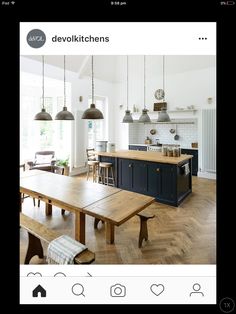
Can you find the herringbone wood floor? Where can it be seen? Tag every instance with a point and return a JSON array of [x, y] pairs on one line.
[[183, 235]]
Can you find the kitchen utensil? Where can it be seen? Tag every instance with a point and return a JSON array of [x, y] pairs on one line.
[[194, 145], [172, 131], [176, 137], [153, 131], [148, 141]]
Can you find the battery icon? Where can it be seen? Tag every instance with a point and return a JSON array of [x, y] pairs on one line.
[[230, 2]]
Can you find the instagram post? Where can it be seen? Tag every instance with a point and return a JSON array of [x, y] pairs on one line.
[[117, 173]]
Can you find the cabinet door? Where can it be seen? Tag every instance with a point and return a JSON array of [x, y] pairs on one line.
[[168, 182], [125, 174], [139, 177], [161, 181], [153, 179]]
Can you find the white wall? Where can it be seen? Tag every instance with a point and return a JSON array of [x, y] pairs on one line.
[[187, 133]]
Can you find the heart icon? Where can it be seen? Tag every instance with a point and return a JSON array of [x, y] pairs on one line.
[[157, 289], [34, 275]]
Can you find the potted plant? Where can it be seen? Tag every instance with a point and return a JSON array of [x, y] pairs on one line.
[[65, 164]]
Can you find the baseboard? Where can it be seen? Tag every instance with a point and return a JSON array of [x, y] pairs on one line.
[[206, 175]]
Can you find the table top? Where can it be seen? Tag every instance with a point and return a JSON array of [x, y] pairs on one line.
[[30, 173], [119, 207], [105, 202], [67, 190]]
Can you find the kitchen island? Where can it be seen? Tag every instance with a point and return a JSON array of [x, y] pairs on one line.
[[168, 179]]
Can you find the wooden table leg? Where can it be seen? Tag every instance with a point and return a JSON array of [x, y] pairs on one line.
[[110, 233], [80, 227], [48, 209]]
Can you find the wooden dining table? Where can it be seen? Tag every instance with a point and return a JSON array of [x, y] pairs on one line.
[[112, 205]]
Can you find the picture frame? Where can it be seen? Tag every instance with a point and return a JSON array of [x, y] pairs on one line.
[[159, 105]]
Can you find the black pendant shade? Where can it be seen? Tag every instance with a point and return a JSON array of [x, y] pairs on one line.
[[144, 116], [92, 113], [128, 117], [64, 114], [43, 115]]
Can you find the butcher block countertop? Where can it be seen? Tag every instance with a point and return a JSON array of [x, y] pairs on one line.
[[147, 156]]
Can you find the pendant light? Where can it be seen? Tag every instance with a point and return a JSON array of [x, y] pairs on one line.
[[92, 113], [128, 117], [144, 117], [43, 115], [163, 115], [64, 114]]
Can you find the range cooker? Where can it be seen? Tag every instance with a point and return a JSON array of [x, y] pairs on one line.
[[154, 148]]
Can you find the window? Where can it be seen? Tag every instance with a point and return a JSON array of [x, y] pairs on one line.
[[97, 129], [43, 135]]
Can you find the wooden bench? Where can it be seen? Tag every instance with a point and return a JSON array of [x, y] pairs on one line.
[[143, 233], [37, 232]]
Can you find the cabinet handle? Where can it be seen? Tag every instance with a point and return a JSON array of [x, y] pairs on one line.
[[130, 165], [157, 169]]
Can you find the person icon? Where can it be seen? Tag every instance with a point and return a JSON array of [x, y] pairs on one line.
[[196, 288]]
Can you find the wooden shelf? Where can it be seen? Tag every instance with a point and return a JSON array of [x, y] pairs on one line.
[[169, 122], [184, 110]]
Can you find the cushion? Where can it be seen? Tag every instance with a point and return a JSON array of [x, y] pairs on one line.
[[92, 157], [43, 159]]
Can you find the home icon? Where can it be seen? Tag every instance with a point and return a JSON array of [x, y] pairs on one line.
[[37, 290]]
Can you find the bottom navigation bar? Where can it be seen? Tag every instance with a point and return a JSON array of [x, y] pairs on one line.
[[61, 289]]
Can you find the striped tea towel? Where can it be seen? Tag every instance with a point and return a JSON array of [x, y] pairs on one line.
[[186, 169], [63, 250]]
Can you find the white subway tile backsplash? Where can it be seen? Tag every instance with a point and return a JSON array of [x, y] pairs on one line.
[[188, 133]]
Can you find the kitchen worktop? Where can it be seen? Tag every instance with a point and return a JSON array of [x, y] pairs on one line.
[[147, 156]]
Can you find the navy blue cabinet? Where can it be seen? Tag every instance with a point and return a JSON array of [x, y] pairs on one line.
[[137, 147], [168, 183], [193, 152], [139, 176], [161, 182], [125, 174], [154, 179], [132, 175]]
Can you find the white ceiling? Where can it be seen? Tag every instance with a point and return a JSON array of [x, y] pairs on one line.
[[112, 68]]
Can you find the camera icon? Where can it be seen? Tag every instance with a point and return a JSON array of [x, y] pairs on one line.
[[118, 290]]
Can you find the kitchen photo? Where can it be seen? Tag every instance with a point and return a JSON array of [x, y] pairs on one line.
[[117, 159]]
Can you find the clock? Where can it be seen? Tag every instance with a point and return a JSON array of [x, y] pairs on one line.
[[159, 94]]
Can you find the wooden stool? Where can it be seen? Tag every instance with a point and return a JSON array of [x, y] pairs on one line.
[[103, 175], [143, 233], [93, 164]]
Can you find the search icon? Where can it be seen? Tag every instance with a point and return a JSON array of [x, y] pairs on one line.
[[78, 289]]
